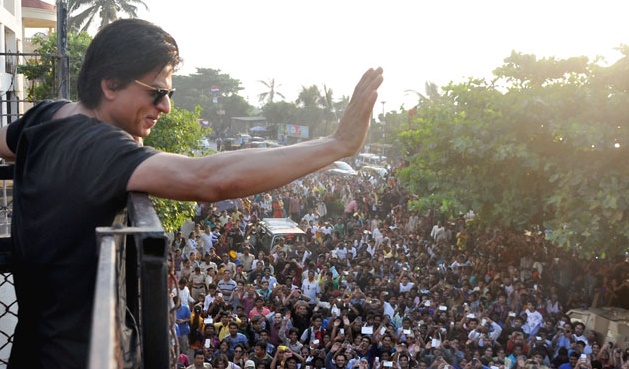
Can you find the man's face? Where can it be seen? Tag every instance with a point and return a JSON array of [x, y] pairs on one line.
[[233, 330], [302, 310], [258, 351], [198, 360], [578, 329], [386, 341], [340, 361]]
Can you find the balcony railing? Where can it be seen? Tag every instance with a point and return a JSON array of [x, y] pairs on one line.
[[131, 325]]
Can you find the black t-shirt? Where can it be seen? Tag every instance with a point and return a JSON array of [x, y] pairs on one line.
[[70, 177]]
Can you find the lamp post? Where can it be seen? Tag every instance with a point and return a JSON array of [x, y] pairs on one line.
[[62, 47], [384, 135]]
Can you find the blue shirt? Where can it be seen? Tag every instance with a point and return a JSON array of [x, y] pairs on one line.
[[233, 341], [184, 313]]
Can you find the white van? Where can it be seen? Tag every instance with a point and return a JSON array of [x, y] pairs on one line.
[[370, 159], [270, 230]]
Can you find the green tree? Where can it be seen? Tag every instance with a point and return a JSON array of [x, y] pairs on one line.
[[83, 12], [218, 107], [42, 72], [268, 96], [330, 117], [542, 146], [280, 112], [311, 105], [178, 132]]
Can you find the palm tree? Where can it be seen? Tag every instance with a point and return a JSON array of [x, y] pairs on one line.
[[329, 108], [311, 102], [309, 97], [272, 91], [83, 12], [432, 93]]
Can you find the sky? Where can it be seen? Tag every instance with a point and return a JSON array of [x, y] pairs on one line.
[[325, 42]]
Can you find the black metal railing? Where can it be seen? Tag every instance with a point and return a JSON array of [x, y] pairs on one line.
[[131, 312], [8, 304], [130, 325]]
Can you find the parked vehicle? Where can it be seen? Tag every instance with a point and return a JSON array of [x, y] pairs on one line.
[[340, 168], [270, 230], [261, 144], [370, 170], [371, 159]]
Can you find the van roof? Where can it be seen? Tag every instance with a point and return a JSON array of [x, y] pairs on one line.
[[282, 226], [280, 222], [370, 155]]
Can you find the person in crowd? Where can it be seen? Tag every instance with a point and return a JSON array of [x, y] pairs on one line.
[[199, 361], [182, 318], [260, 356]]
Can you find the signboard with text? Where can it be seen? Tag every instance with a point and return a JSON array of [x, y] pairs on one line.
[[293, 130]]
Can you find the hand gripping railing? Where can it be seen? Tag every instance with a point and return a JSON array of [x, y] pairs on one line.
[[130, 326]]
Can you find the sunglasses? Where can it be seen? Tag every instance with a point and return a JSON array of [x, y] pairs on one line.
[[158, 93]]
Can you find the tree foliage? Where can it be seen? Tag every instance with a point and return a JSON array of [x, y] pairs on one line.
[[84, 12], [196, 89], [280, 112], [178, 132], [272, 89], [542, 146], [42, 72]]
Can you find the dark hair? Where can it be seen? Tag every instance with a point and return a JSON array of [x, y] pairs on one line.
[[261, 344], [578, 323], [122, 51], [220, 357]]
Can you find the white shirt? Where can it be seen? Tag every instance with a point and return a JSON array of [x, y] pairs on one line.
[[437, 232], [184, 294], [310, 289], [406, 287], [206, 243], [191, 247]]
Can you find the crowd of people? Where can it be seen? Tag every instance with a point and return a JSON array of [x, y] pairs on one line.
[[378, 285]]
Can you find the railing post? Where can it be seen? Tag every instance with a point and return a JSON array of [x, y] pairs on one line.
[[153, 249], [140, 294]]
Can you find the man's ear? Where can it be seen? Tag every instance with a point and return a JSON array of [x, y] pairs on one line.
[[109, 88]]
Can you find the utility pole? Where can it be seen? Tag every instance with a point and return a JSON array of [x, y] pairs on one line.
[[62, 49], [384, 125]]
